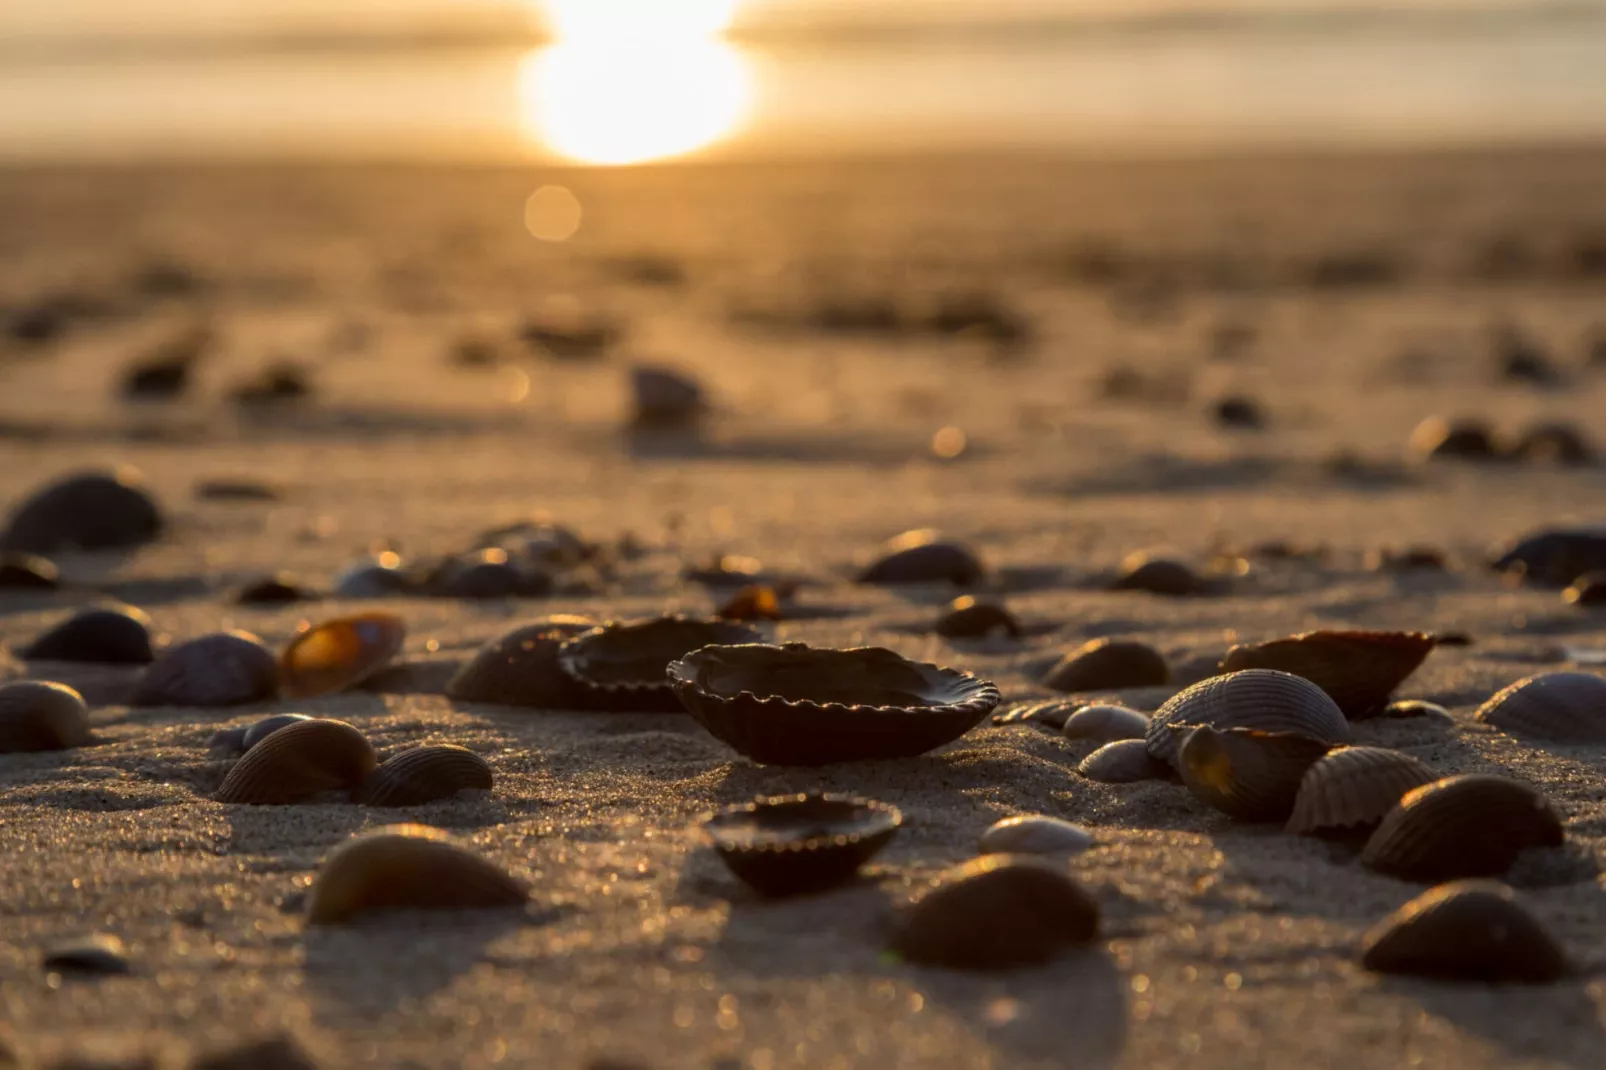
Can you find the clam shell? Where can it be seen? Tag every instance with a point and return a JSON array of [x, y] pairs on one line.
[[118, 636], [521, 668], [1360, 670], [264, 728], [1561, 707], [996, 912], [798, 705], [37, 716], [424, 774], [101, 953], [923, 557], [1355, 786], [407, 867], [85, 511], [339, 654], [1034, 834], [1462, 826], [1468, 930], [621, 666], [1159, 575], [1126, 761], [1106, 724], [297, 762], [1108, 665], [792, 844], [966, 618], [1265, 699], [1245, 773], [1555, 558], [20, 572], [226, 669]]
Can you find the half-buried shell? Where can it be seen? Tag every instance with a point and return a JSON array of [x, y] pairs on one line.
[[1159, 575], [407, 867], [968, 618], [297, 762], [799, 705], [1353, 787], [1245, 773], [1561, 707], [521, 668], [1106, 724], [793, 844], [1034, 834], [38, 716], [1108, 665], [621, 666], [1126, 761], [424, 774], [243, 738], [85, 511], [1359, 669], [1466, 931], [1472, 825], [226, 669], [922, 556], [338, 654], [1554, 558], [108, 636], [1264, 699]]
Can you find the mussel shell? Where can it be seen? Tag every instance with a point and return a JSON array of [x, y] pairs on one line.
[[22, 572], [1247, 774], [621, 666], [407, 867], [1561, 707], [424, 774], [1125, 761], [107, 636], [1472, 825], [226, 669], [1108, 665], [966, 618], [1359, 669], [86, 511], [38, 716], [1034, 834], [923, 557], [1469, 930], [334, 655], [1159, 575], [1265, 699], [798, 705], [1106, 724], [1555, 558], [521, 668], [996, 912], [297, 762], [1353, 787], [791, 844]]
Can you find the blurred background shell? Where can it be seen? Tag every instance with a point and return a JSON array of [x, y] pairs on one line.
[[337, 654], [407, 867], [39, 716], [225, 669], [297, 762], [1560, 707]]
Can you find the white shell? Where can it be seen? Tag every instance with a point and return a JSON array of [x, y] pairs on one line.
[[1125, 761], [1035, 834], [1562, 707], [1106, 724]]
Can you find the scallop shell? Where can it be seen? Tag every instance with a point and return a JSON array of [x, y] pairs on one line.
[[1555, 558], [1462, 826], [521, 668], [1106, 724], [21, 572], [1560, 707], [339, 654], [1126, 761], [1354, 787], [1265, 699], [792, 844], [966, 618], [424, 774], [1245, 773], [1159, 575], [297, 762], [107, 636], [798, 705], [1467, 930], [621, 666], [1360, 670], [922, 556], [1108, 665], [407, 867], [1587, 590], [38, 716], [226, 669], [1035, 834], [996, 912], [86, 511]]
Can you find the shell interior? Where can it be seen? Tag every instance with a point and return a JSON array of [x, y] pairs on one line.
[[800, 822], [341, 653], [862, 677]]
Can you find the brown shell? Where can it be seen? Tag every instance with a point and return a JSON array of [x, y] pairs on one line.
[[91, 510], [1159, 575], [1247, 774], [793, 844], [1472, 825], [424, 774], [407, 867], [1353, 787], [1359, 669], [921, 556], [38, 716], [1108, 665], [996, 912], [967, 618], [1265, 699], [226, 669], [334, 655], [1106, 724], [1561, 707], [1125, 761], [521, 668], [1553, 444], [297, 762], [108, 635], [621, 666], [1467, 930]]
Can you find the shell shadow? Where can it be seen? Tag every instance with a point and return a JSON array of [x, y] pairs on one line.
[[1559, 1024]]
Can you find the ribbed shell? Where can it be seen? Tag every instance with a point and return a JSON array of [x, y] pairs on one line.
[[1247, 774], [338, 654], [1107, 665], [521, 668], [1462, 826], [423, 775], [1355, 786], [1034, 834], [118, 636], [1050, 713], [40, 716], [792, 844], [299, 761], [227, 669], [1561, 707], [1467, 930], [1125, 761], [622, 666], [1360, 670], [1106, 724], [407, 867], [1266, 699]]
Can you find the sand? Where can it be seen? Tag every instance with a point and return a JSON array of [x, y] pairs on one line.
[[1369, 287]]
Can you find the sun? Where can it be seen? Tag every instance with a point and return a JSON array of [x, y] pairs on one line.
[[612, 19]]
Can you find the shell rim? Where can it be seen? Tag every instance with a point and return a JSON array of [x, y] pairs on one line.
[[571, 658], [889, 821]]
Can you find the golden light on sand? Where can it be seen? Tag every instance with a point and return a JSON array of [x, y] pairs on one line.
[[552, 213]]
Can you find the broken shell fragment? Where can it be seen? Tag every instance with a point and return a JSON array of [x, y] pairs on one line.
[[792, 844], [1472, 825], [407, 867], [339, 654], [297, 762], [226, 669], [1560, 707], [38, 716], [621, 666], [521, 668], [1247, 774], [1469, 930], [1108, 665], [1263, 699], [1359, 669], [424, 774], [1353, 787]]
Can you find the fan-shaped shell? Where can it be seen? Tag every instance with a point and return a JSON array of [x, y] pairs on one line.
[[1108, 665], [1353, 787], [1467, 930], [341, 653], [1106, 724], [1125, 761], [1159, 575], [226, 669], [407, 867], [967, 618], [297, 762], [424, 774], [792, 844], [106, 636], [1561, 707], [1472, 825], [621, 666], [1360, 670], [922, 556], [1034, 834], [85, 511], [798, 705], [521, 668], [1555, 558], [1264, 699], [37, 716], [1245, 773]]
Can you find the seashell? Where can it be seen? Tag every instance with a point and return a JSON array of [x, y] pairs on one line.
[[1158, 575], [119, 636], [1413, 707], [298, 761], [489, 574], [1472, 825], [86, 511], [798, 705], [241, 739], [662, 398], [1125, 761], [726, 570], [1519, 358], [424, 774], [277, 1052], [1554, 558], [996, 912], [921, 556], [621, 666], [1106, 724], [521, 668], [753, 602], [1050, 713], [1245, 773], [792, 844], [1587, 590], [1467, 930], [101, 953], [1359, 670], [225, 669], [1453, 638], [1353, 787], [1263, 699], [277, 383], [1561, 707], [966, 618], [566, 336], [1035, 834], [36, 716], [382, 577], [1239, 412], [27, 572], [338, 654], [277, 589], [1108, 665], [407, 867], [1466, 439], [1553, 444]]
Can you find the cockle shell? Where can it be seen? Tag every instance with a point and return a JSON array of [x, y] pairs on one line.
[[379, 578], [521, 668], [1469, 930], [1353, 787], [85, 511], [297, 762], [1035, 834], [792, 844], [1106, 724], [1125, 761], [1555, 558], [1108, 665], [106, 636], [407, 867], [1263, 699], [424, 774], [278, 589], [39, 716], [1472, 825], [921, 556], [226, 669], [621, 666], [1159, 575], [338, 654], [1561, 707], [239, 740], [1245, 773], [1359, 669], [967, 618]]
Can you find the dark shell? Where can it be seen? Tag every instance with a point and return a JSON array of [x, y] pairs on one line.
[[101, 953], [1410, 559], [1125, 761], [424, 774], [1437, 438], [297, 762], [407, 867], [102, 636], [1108, 665], [1360, 670], [521, 668], [226, 669], [490, 574], [1587, 590], [1263, 699], [1106, 724], [922, 557], [793, 844], [1412, 707], [1353, 787], [966, 618], [381, 578], [277, 589], [1466, 931], [334, 655], [798, 705], [1473, 825], [1555, 558], [1247, 774], [621, 666], [997, 912], [38, 716], [1239, 412], [665, 398], [1561, 707], [243, 738], [27, 572], [244, 489], [1553, 444], [281, 1052], [1159, 575], [87, 511], [282, 381]]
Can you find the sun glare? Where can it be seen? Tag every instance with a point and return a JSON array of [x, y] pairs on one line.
[[612, 19]]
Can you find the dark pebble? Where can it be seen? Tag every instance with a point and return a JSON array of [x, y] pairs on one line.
[[1239, 412]]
